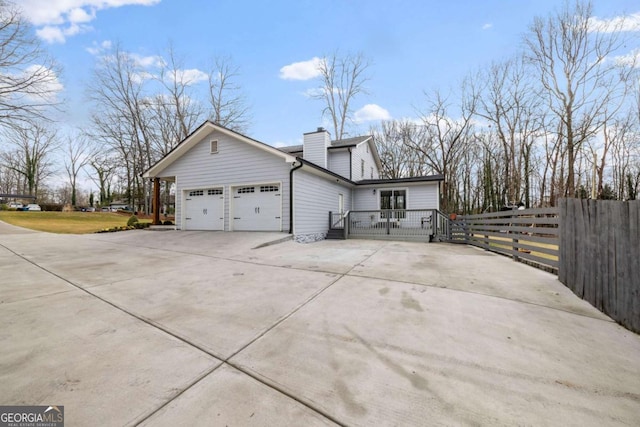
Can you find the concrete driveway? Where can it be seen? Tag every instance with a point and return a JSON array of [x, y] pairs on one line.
[[195, 328]]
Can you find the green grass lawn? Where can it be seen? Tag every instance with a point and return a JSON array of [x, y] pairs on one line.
[[65, 222]]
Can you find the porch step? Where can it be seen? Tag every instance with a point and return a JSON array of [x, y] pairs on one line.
[[335, 234]]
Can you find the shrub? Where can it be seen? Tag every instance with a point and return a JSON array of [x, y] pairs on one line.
[[168, 222], [4, 207], [132, 220]]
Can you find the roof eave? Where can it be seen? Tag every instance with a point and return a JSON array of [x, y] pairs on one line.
[[194, 137]]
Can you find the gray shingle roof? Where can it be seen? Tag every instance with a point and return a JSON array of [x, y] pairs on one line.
[[291, 149], [336, 143], [349, 141]]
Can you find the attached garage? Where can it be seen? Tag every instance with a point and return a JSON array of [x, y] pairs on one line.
[[257, 207], [204, 209]]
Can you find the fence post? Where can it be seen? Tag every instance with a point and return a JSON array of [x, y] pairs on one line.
[[514, 240], [330, 217], [388, 221], [345, 222]]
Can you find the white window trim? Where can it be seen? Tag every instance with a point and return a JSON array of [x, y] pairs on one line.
[[213, 142]]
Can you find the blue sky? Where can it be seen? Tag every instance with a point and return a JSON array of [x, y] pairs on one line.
[[413, 46]]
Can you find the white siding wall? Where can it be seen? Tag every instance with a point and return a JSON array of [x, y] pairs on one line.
[[235, 163], [419, 196], [314, 147], [423, 196], [360, 153], [365, 200], [314, 198], [339, 162]]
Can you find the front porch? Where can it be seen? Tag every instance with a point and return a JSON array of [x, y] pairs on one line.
[[424, 225]]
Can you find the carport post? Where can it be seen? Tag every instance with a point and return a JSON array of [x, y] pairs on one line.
[[156, 201]]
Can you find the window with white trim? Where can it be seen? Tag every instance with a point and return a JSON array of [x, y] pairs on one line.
[[214, 191], [393, 203], [362, 168], [213, 146], [244, 190]]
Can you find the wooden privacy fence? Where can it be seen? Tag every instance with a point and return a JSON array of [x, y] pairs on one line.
[[529, 235], [600, 256]]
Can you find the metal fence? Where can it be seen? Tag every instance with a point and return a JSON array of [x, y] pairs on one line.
[[393, 224]]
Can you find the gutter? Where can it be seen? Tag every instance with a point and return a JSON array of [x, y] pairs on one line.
[[293, 169]]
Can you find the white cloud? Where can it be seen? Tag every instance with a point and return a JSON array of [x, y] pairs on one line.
[[487, 26], [48, 84], [191, 76], [632, 59], [51, 34], [142, 76], [371, 112], [618, 23], [98, 49], [79, 15], [313, 92], [147, 61], [304, 70], [55, 20]]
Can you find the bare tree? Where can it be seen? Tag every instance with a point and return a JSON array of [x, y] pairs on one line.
[[511, 105], [448, 132], [28, 76], [583, 87], [105, 168], [175, 112], [399, 160], [229, 107], [78, 155], [342, 79], [121, 121], [31, 155]]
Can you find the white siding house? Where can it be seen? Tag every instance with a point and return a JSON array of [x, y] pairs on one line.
[[226, 181], [316, 196], [340, 162]]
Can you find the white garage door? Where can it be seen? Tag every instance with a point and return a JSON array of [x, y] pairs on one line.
[[257, 208], [204, 209]]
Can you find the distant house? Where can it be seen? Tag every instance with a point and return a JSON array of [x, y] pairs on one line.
[[118, 205], [230, 182]]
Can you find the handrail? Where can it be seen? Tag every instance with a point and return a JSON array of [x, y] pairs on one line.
[[340, 219]]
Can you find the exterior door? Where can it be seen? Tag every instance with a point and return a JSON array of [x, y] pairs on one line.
[[257, 208], [395, 200], [204, 209]]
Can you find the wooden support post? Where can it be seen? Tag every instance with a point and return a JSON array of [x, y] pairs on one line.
[[514, 238], [156, 201]]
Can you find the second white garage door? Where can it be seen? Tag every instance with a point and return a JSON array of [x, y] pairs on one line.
[[204, 209], [257, 208]]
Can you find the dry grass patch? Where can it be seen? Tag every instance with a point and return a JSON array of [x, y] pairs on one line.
[[65, 222], [524, 240]]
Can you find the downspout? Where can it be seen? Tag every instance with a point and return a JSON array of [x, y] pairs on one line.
[[293, 169], [350, 164]]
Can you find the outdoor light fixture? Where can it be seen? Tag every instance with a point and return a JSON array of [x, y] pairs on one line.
[[374, 191]]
